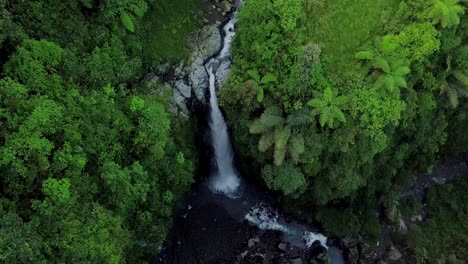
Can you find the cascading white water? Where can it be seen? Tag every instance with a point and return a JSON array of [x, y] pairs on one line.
[[225, 178]]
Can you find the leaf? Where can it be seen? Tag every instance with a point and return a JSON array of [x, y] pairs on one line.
[[260, 94], [272, 119], [328, 94], [461, 76], [380, 82], [266, 141], [402, 71], [390, 83], [300, 118], [400, 82], [339, 114], [324, 118], [364, 55], [317, 103], [282, 136], [254, 75], [383, 64], [269, 78], [279, 155], [127, 20], [139, 12], [257, 127], [296, 147]]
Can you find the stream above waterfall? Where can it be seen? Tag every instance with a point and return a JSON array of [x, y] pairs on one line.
[[227, 219]]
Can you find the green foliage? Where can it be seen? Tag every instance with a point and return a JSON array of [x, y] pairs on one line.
[[268, 78], [286, 178], [277, 133], [441, 234], [339, 222], [328, 107], [445, 12], [81, 146], [170, 25], [419, 40], [349, 70], [127, 21], [19, 242], [390, 71]]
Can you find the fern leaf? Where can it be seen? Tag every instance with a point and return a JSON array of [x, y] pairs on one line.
[[461, 77], [273, 110], [364, 55], [402, 71], [279, 155], [317, 103], [268, 78], [266, 141], [282, 136], [257, 127], [127, 21], [271, 121], [400, 81], [383, 64], [390, 83], [324, 117], [272, 117], [300, 118], [328, 94], [296, 147], [339, 114], [254, 75]]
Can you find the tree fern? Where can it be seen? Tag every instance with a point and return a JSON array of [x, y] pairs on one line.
[[445, 12], [300, 118], [266, 141], [258, 127], [455, 87], [276, 132], [328, 108], [279, 155], [296, 147]]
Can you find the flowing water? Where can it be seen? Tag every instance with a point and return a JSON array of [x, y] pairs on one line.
[[213, 223], [225, 178]]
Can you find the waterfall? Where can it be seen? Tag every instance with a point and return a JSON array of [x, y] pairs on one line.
[[225, 178]]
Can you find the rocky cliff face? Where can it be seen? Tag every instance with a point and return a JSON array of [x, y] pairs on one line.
[[188, 80]]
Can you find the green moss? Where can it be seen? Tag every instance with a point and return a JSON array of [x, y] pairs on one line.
[[168, 34]]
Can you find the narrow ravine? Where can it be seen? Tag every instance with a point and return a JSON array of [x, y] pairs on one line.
[[226, 219]]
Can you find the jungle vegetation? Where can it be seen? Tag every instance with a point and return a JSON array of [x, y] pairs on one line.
[[365, 94], [334, 106], [91, 163]]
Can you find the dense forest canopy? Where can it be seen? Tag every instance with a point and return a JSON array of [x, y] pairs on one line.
[[90, 163], [333, 105], [340, 102]]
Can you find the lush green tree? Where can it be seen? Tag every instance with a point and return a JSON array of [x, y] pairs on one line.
[[445, 12], [286, 178], [278, 132], [328, 107]]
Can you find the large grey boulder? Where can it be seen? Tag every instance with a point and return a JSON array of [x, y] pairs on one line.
[[209, 41], [226, 6], [393, 254]]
